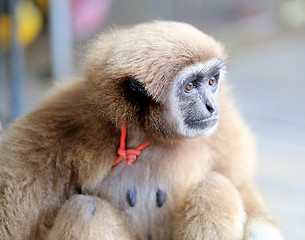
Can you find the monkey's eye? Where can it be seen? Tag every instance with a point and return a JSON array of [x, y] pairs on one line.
[[189, 86], [212, 81]]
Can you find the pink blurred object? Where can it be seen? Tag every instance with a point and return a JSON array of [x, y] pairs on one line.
[[88, 15]]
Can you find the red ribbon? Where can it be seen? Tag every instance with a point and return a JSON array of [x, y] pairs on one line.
[[130, 155]]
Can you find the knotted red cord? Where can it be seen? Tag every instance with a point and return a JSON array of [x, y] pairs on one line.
[[130, 155]]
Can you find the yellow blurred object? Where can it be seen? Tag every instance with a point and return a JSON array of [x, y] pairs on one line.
[[29, 22], [43, 4], [5, 32]]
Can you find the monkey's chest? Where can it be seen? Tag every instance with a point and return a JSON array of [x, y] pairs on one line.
[[148, 198], [149, 192]]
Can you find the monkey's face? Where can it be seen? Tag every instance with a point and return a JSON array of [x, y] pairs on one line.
[[193, 98]]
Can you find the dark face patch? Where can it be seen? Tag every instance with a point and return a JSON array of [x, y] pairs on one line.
[[194, 100], [136, 93], [198, 106]]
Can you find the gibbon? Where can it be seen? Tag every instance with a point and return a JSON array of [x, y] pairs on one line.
[[147, 144]]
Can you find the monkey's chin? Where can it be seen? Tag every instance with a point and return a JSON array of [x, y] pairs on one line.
[[200, 127]]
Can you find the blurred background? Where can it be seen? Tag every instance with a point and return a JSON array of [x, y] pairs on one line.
[[41, 42]]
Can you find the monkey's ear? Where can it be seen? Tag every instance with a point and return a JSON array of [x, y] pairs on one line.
[[136, 86]]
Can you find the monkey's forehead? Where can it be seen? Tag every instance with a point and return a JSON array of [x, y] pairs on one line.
[[154, 53]]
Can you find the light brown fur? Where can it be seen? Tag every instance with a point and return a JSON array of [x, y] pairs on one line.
[[71, 141]]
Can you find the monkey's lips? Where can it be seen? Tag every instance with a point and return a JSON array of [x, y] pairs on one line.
[[201, 123]]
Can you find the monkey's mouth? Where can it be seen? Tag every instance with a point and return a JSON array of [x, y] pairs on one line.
[[201, 123]]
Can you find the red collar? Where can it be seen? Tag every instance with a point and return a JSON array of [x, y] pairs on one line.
[[130, 155]]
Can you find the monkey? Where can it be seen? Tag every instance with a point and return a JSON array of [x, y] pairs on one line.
[[147, 144]]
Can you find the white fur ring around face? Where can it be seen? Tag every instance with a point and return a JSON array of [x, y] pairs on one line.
[[262, 230]]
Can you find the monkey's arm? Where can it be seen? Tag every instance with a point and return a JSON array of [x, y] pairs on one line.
[[41, 154], [259, 224], [212, 210]]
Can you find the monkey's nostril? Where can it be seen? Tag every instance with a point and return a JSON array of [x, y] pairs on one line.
[[210, 107]]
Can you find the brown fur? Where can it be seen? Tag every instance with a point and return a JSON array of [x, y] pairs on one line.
[[75, 132]]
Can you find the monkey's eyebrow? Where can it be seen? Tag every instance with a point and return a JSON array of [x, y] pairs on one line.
[[216, 67]]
